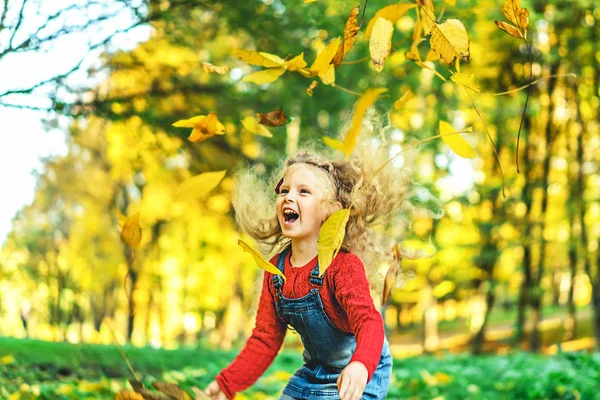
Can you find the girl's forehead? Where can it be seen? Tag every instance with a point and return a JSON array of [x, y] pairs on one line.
[[305, 173]]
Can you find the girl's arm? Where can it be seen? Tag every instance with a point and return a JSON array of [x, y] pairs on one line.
[[352, 292], [260, 349]]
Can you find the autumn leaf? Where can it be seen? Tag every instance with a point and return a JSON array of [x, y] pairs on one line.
[[208, 67], [333, 143], [519, 17], [253, 126], [450, 40], [456, 142], [296, 63], [8, 359], [511, 10], [331, 237], [172, 390], [264, 76], [404, 99], [204, 127], [272, 118], [427, 16], [366, 100], [321, 67], [380, 43], [510, 29], [309, 89], [198, 186], [466, 80], [260, 58], [131, 234], [350, 32], [263, 264], [391, 275], [309, 1], [276, 66], [200, 394], [128, 395], [392, 13], [431, 56]]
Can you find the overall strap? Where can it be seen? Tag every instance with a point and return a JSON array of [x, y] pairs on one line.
[[314, 276], [277, 279]]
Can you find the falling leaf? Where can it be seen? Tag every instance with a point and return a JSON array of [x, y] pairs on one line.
[[128, 395], [272, 118], [404, 99], [328, 75], [263, 264], [309, 89], [450, 40], [264, 76], [350, 32], [333, 143], [392, 13], [323, 59], [172, 390], [198, 186], [432, 56], [253, 126], [380, 43], [456, 142], [466, 80], [366, 100], [131, 234], [8, 359], [204, 127], [296, 63], [331, 237], [427, 16], [391, 275], [260, 58], [208, 67]]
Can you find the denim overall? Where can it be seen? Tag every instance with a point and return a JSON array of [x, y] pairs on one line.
[[327, 350]]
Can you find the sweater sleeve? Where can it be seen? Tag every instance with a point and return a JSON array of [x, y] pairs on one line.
[[260, 349], [352, 292]]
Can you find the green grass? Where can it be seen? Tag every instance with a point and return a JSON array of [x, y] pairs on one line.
[[47, 370]]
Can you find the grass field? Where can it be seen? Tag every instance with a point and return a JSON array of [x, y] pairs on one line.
[[32, 369]]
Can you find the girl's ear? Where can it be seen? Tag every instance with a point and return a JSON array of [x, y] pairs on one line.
[[332, 207]]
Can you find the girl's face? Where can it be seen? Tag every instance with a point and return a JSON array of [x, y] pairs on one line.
[[299, 205]]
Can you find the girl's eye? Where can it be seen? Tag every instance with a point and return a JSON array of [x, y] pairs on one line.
[[283, 191], [304, 191]]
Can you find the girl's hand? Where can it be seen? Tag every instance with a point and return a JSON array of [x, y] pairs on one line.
[[352, 381], [213, 390]]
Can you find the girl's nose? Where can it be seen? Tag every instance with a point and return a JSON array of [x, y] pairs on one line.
[[290, 197]]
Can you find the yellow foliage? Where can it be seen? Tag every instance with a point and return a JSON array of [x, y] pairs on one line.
[[252, 125], [450, 40], [204, 127], [456, 142], [131, 234], [350, 32], [331, 237], [391, 13], [267, 266], [198, 186], [380, 43], [366, 100]]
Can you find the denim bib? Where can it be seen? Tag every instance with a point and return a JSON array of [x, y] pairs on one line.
[[327, 350]]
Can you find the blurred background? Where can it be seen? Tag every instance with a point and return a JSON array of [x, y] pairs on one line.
[[94, 88]]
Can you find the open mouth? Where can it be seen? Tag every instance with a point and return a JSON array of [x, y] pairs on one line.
[[289, 216]]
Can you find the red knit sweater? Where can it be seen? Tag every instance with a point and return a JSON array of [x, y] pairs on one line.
[[347, 303]]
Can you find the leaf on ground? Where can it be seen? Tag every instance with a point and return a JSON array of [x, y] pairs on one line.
[[350, 32], [172, 390], [309, 89], [450, 40], [392, 13], [366, 100], [466, 80], [198, 186], [331, 237], [208, 67], [456, 142], [131, 234], [200, 394], [272, 118], [380, 43], [391, 276], [253, 126], [404, 99], [128, 395], [204, 127], [136, 385], [8, 359], [265, 76], [262, 263]]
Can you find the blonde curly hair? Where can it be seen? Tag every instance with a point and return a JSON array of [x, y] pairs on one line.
[[378, 199]]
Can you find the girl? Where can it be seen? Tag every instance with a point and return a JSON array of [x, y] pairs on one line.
[[346, 355]]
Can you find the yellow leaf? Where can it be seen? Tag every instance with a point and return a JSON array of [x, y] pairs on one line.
[[392, 13], [265, 76], [253, 126], [15, 396], [450, 2], [404, 99], [333, 143], [260, 58], [200, 395], [309, 89], [198, 186], [524, 21], [309, 1], [442, 377], [208, 67], [511, 9], [391, 275], [296, 63], [172, 390], [510, 29], [431, 56], [128, 395], [85, 386], [331, 237], [466, 80], [324, 57], [65, 389], [350, 32], [8, 359], [328, 75], [366, 100], [380, 43], [450, 40], [131, 234], [456, 142], [267, 266], [205, 126], [427, 17]]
